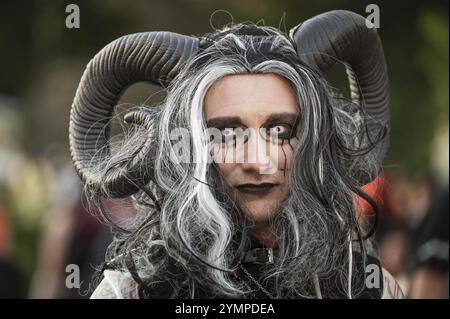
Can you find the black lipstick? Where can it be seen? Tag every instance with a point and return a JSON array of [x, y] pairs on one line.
[[256, 189]]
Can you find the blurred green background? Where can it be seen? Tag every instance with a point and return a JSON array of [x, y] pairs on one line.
[[42, 61]]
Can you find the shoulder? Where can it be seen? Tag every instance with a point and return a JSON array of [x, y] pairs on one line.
[[391, 289], [116, 285]]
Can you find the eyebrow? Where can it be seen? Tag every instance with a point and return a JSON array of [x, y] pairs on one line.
[[227, 121]]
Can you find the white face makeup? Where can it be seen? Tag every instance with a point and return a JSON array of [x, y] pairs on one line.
[[266, 105]]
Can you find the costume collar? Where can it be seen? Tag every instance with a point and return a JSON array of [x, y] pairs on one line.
[[258, 254]]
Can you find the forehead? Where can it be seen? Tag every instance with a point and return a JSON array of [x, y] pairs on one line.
[[252, 96]]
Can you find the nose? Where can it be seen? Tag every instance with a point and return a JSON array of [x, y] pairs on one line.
[[258, 154]]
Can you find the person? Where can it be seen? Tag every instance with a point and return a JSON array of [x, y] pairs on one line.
[[430, 278], [244, 177], [11, 276]]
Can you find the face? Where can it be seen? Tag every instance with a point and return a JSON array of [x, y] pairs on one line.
[[261, 111]]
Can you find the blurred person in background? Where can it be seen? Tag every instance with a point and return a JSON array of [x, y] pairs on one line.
[[431, 275], [403, 203], [71, 237], [390, 191], [12, 281]]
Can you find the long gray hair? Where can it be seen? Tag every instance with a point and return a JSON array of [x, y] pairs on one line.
[[188, 232]]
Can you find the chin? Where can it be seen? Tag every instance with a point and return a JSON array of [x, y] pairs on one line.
[[261, 214]]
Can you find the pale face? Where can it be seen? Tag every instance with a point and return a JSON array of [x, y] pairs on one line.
[[255, 101]]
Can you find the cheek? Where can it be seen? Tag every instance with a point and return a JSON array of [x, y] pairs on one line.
[[226, 169], [219, 156]]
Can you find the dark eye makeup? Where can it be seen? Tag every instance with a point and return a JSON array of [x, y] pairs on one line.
[[275, 132], [278, 128], [281, 131]]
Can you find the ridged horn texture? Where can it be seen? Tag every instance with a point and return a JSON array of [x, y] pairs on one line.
[[154, 57], [342, 36]]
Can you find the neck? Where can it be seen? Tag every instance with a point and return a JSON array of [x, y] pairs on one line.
[[265, 234]]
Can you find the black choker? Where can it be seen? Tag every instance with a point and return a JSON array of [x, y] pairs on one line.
[[262, 256]]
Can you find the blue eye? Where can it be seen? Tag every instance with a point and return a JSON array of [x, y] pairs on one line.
[[227, 132], [278, 130], [228, 135], [281, 132]]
